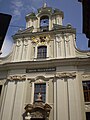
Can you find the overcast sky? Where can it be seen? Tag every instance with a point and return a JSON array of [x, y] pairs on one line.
[[20, 8]]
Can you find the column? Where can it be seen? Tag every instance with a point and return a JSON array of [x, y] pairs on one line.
[[67, 45], [28, 49], [32, 95], [57, 47], [50, 23], [18, 104], [3, 100], [38, 22], [74, 99], [25, 46], [72, 44], [21, 50], [63, 46], [9, 100], [54, 44], [55, 99], [48, 51], [62, 101]]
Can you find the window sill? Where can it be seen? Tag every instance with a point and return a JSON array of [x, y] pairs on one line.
[[40, 59]]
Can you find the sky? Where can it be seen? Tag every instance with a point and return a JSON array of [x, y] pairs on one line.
[[20, 8]]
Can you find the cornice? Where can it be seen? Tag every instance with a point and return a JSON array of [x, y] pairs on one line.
[[62, 30], [44, 63]]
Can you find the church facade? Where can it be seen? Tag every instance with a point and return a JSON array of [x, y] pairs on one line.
[[45, 77]]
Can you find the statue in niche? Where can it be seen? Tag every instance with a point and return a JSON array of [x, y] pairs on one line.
[[39, 97]]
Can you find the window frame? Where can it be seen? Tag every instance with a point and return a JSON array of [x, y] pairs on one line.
[[87, 115], [86, 91], [41, 52], [41, 92]]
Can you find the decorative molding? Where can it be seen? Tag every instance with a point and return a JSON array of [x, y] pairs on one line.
[[2, 81], [39, 79], [86, 76], [18, 43], [37, 110], [66, 75], [25, 42], [87, 106], [41, 40], [16, 77]]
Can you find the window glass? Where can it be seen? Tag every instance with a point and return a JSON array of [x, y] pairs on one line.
[[40, 88], [86, 90], [42, 52]]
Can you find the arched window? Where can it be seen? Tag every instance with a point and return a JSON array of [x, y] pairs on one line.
[[42, 52], [44, 23]]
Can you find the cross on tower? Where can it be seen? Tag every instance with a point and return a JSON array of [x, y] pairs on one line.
[[44, 3]]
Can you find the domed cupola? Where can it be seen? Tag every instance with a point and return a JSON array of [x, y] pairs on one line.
[[44, 10], [47, 17]]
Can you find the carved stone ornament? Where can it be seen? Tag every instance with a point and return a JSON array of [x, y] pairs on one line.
[[66, 75], [41, 40], [18, 43], [87, 106], [16, 77], [37, 110], [86, 75], [25, 42]]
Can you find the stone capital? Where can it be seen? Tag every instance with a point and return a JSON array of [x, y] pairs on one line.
[[66, 75], [16, 77]]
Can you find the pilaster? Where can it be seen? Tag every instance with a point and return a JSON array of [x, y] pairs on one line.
[[9, 101]]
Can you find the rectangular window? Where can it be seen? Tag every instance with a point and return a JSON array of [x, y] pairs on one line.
[[40, 88], [42, 52], [87, 115], [86, 90]]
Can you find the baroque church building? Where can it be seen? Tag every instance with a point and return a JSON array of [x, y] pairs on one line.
[[45, 77]]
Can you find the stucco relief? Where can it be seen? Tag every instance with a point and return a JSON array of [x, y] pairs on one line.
[[86, 75], [25, 42], [37, 110], [87, 106], [18, 43], [40, 79], [16, 77], [41, 40], [66, 74]]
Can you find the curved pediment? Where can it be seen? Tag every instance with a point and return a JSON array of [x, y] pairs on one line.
[[37, 110]]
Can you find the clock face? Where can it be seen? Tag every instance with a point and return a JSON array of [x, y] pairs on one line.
[[44, 22]]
